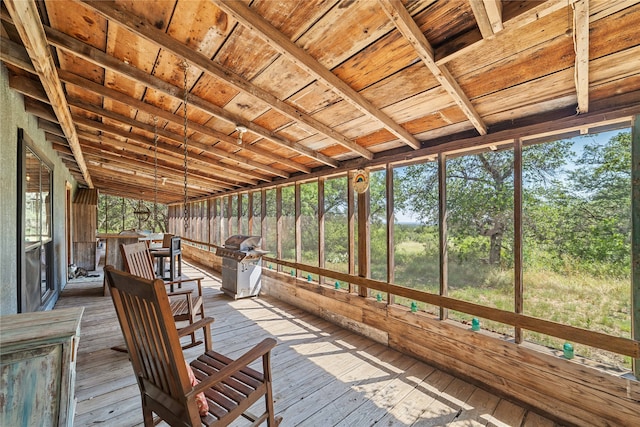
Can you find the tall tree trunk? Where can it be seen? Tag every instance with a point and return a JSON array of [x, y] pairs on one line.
[[495, 246]]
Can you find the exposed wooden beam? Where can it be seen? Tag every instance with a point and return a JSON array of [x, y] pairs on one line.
[[166, 42], [581, 46], [174, 152], [106, 61], [302, 59], [134, 159], [410, 30], [482, 18], [16, 55], [27, 21], [488, 14], [458, 47], [222, 154], [494, 13], [33, 89]]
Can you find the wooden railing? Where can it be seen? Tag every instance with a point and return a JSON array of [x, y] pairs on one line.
[[619, 345], [623, 346]]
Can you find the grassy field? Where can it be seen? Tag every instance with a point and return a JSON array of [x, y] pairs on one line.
[[594, 303]]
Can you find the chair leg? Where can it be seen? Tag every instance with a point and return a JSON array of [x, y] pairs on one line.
[[147, 416]]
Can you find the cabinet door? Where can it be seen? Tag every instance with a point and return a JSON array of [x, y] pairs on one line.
[[30, 386]]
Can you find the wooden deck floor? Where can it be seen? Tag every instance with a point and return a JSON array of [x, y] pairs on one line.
[[323, 375]]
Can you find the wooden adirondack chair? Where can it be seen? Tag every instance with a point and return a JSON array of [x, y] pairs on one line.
[[167, 386], [184, 305]]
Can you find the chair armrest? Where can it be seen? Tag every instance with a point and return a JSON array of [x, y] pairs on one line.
[[191, 328], [195, 279], [175, 282], [261, 349], [183, 292]]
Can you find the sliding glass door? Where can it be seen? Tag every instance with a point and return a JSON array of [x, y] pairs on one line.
[[36, 285]]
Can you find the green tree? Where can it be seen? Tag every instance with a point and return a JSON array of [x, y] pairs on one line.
[[479, 193]]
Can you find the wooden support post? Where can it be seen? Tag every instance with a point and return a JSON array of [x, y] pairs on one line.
[[351, 226], [216, 222], [390, 231], [517, 233], [635, 237], [239, 214], [250, 213], [263, 216], [279, 225], [364, 241], [229, 215], [442, 208], [321, 215]]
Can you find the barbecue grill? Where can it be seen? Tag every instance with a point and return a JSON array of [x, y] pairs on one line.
[[241, 265]]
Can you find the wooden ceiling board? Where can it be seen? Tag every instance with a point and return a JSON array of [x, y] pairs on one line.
[[214, 90], [619, 67], [246, 106], [377, 61], [314, 97], [338, 113], [293, 18], [118, 79], [245, 54], [414, 107], [533, 93], [510, 42], [273, 120], [621, 31], [282, 78], [444, 20], [200, 25], [528, 65], [344, 30]]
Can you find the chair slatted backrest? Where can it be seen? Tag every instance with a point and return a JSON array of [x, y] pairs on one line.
[[166, 240], [175, 244], [138, 260], [154, 348]]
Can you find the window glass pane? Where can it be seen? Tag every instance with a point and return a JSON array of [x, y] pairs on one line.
[[244, 217], [256, 214], [415, 230], [378, 226], [309, 224], [288, 223], [480, 231], [577, 237], [269, 239], [233, 217], [33, 210], [215, 229], [336, 225], [224, 219], [45, 188]]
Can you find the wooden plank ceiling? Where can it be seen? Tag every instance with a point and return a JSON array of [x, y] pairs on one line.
[[276, 89]]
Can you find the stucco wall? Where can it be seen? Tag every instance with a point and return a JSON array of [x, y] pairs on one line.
[[12, 117]]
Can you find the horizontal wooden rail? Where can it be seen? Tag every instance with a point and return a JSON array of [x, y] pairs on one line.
[[624, 346]]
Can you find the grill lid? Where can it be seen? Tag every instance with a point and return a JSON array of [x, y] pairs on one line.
[[242, 242], [241, 248]]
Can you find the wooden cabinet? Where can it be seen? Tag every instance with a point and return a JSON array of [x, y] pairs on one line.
[[38, 354]]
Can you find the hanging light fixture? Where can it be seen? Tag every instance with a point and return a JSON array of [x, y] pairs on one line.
[[186, 152], [155, 172], [142, 213], [241, 130]]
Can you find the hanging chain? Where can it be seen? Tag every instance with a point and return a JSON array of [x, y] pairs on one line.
[[184, 106], [155, 172]]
